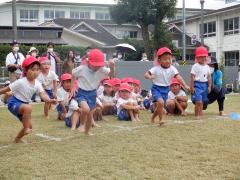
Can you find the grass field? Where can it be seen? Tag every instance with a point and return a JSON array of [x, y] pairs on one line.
[[183, 148]]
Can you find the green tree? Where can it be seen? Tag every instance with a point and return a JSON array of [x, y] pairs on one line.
[[144, 13]]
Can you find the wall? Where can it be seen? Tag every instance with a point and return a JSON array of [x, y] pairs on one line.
[[137, 69]]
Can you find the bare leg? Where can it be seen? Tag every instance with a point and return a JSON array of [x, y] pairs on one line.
[[85, 110], [26, 111], [171, 106], [88, 122], [158, 110], [46, 109], [74, 119], [131, 115]]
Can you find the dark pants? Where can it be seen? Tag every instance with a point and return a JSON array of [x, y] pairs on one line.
[[213, 96]]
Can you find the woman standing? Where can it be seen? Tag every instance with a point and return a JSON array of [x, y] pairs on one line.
[[68, 64], [217, 91]]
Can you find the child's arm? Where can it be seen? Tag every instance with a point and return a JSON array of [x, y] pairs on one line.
[[129, 107], [45, 98], [182, 82], [73, 90], [182, 98], [4, 90], [55, 89], [111, 65], [148, 75], [209, 82], [192, 83], [63, 107]]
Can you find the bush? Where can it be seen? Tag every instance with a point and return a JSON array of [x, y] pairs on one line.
[[62, 50]]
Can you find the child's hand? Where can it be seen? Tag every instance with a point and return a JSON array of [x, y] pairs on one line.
[[209, 90], [53, 101], [55, 95], [151, 77], [192, 90], [187, 88]]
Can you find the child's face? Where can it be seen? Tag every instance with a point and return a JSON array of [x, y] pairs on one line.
[[202, 59], [175, 88], [93, 68], [124, 94], [66, 85], [136, 88], [165, 60], [33, 72], [116, 88], [45, 66], [108, 89]]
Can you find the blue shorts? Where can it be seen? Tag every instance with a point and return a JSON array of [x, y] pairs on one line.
[[68, 122], [59, 108], [87, 96], [114, 110], [201, 92], [123, 115], [146, 103], [14, 105], [159, 92], [49, 93]]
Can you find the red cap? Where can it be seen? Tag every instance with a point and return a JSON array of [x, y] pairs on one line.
[[43, 59], [174, 81], [125, 86], [29, 60], [201, 51], [104, 79], [137, 82], [163, 50], [96, 58], [66, 76], [116, 81], [127, 80], [108, 82]]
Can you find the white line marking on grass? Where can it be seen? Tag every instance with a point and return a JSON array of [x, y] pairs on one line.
[[51, 138]]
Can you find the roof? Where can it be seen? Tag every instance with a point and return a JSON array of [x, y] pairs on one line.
[[214, 12], [34, 41], [97, 31]]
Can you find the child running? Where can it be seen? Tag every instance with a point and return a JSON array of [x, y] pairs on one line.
[[200, 81], [89, 77], [23, 90], [48, 79], [177, 99], [161, 75], [127, 109]]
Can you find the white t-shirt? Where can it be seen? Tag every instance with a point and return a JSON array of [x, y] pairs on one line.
[[23, 90], [53, 63], [163, 76], [100, 90], [10, 59], [89, 80], [201, 72], [63, 95], [171, 95], [47, 80], [121, 102], [106, 99], [73, 106]]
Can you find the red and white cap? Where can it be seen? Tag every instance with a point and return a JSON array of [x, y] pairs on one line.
[[43, 59], [116, 81], [163, 50], [125, 86], [127, 80], [29, 60], [108, 82], [174, 81], [96, 58], [201, 51], [137, 82], [66, 76]]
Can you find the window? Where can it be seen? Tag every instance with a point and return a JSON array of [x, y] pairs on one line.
[[127, 34], [232, 58], [213, 54], [231, 26], [209, 29], [102, 16], [28, 15], [80, 15], [51, 14]]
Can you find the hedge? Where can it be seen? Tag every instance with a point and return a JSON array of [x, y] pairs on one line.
[[62, 50]]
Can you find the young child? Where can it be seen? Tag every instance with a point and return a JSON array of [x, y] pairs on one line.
[[177, 99], [72, 119], [89, 77], [137, 92], [23, 90], [107, 99], [116, 82], [48, 79], [161, 75], [63, 94], [127, 109], [200, 81]]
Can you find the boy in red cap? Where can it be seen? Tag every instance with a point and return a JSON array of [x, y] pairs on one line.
[[200, 82], [127, 109], [48, 79], [23, 90], [177, 99], [161, 75], [89, 77]]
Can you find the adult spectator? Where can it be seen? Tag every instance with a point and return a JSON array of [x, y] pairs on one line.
[[144, 57], [33, 52], [68, 64], [14, 62], [52, 56], [217, 91], [77, 57]]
